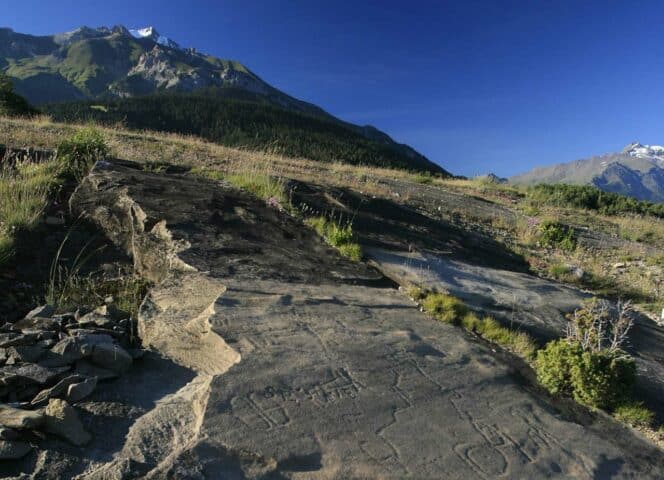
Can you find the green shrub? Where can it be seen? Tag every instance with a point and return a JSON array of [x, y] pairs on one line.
[[351, 250], [596, 379], [556, 235], [445, 308], [603, 379], [339, 235], [554, 366], [634, 414], [79, 152]]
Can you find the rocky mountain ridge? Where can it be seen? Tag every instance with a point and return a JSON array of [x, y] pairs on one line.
[[636, 171], [111, 64]]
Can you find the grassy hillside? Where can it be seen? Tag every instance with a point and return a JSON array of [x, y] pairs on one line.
[[241, 119]]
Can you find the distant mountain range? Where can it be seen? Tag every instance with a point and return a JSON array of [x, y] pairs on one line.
[[637, 171], [105, 67]]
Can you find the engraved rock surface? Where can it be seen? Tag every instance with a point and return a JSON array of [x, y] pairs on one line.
[[290, 362]]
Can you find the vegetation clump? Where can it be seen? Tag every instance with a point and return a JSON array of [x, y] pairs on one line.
[[445, 308], [490, 329], [591, 198], [556, 235], [589, 364], [338, 235], [78, 153], [25, 189], [12, 104], [634, 414], [262, 185]]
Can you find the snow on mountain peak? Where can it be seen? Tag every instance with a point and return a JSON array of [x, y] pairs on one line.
[[152, 34], [645, 151]]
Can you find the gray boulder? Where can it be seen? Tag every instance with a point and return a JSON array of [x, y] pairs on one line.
[[59, 390], [17, 418], [11, 339], [62, 420], [24, 353], [112, 357], [29, 373], [78, 391]]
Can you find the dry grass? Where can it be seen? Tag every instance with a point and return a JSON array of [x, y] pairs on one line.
[[25, 190], [263, 172], [144, 146]]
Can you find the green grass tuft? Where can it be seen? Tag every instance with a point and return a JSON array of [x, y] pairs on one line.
[[80, 151], [634, 414], [337, 235], [445, 308]]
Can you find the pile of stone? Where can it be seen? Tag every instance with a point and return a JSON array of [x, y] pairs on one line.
[[49, 362]]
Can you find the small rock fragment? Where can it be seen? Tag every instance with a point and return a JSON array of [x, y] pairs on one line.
[[28, 373], [95, 319], [57, 391], [39, 323], [13, 450], [78, 391], [41, 311], [11, 339], [112, 357], [62, 420], [25, 353], [17, 418]]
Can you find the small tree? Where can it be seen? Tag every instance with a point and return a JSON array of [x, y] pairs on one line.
[[590, 363], [10, 103], [598, 327]]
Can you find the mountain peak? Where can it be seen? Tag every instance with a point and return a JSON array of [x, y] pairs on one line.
[[152, 34], [639, 150]]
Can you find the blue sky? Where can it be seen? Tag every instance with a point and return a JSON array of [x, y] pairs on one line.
[[477, 86]]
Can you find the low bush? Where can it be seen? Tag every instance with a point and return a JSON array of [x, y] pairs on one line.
[[603, 379], [554, 366], [596, 379], [558, 270], [424, 178], [556, 235], [79, 152]]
